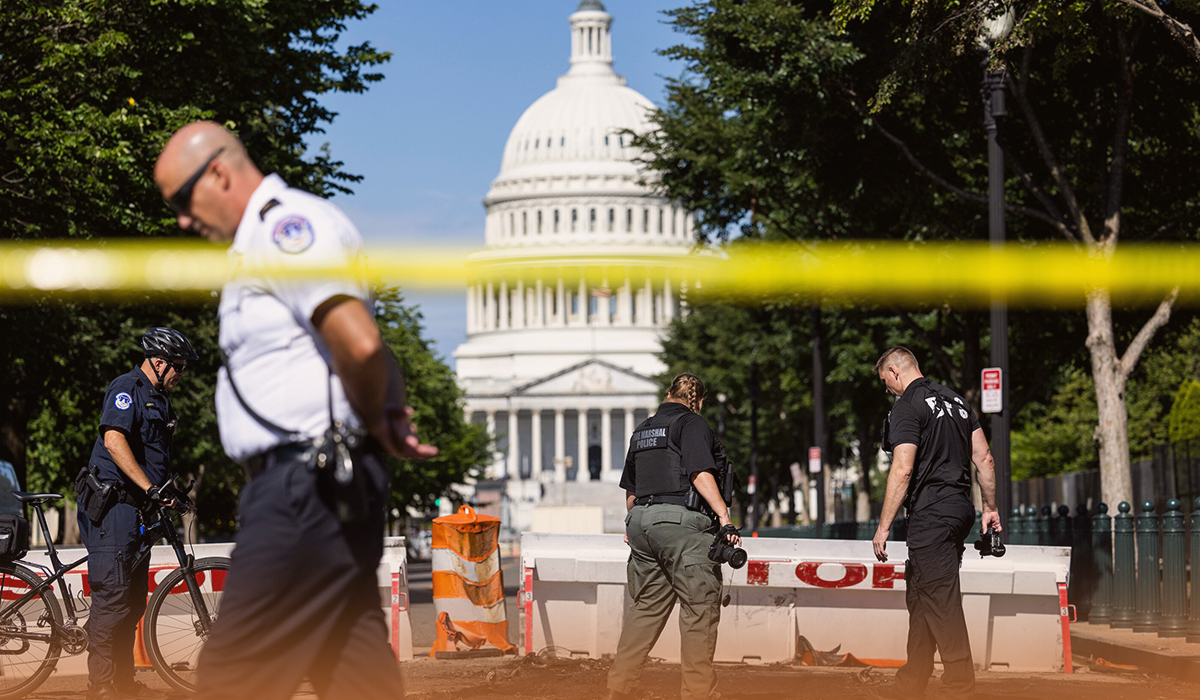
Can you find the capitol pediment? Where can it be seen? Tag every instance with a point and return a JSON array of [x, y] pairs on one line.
[[590, 378]]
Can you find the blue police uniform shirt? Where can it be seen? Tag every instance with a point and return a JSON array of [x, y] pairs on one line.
[[133, 406]]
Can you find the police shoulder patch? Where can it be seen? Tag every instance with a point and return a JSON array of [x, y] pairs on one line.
[[293, 234], [123, 401]]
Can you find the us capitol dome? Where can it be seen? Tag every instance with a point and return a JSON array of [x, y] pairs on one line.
[[559, 359]]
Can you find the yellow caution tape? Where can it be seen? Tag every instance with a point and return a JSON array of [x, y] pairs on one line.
[[878, 272]]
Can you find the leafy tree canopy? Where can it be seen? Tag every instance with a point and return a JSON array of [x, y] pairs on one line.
[[1184, 418], [809, 120], [437, 402], [90, 90]]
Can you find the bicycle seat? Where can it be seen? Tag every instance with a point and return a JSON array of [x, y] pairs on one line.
[[36, 498]]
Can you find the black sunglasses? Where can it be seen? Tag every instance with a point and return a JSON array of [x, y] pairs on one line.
[[182, 199], [179, 367]]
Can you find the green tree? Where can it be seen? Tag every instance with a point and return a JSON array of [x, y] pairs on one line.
[[89, 93], [1058, 434], [767, 135], [1099, 143], [1185, 413], [437, 401], [90, 90]]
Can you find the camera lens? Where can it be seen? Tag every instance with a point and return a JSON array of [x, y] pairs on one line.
[[737, 559]]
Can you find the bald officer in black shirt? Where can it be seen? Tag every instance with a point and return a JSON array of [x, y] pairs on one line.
[[934, 436]]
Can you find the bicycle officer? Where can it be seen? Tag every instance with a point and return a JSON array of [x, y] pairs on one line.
[[131, 461], [675, 507]]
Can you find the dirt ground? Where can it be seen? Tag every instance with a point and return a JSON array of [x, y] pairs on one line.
[[540, 678], [551, 679]]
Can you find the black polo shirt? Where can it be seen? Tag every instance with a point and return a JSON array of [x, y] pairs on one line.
[[143, 414], [940, 423], [696, 441]]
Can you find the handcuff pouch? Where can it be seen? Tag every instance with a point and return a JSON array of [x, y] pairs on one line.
[[341, 482]]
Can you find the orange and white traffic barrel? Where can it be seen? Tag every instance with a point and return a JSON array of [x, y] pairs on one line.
[[468, 588]]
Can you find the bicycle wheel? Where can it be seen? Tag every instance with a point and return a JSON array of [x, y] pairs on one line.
[[26, 663], [173, 629]]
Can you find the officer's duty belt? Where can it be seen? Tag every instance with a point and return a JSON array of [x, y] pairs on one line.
[[286, 453], [674, 500], [129, 499], [292, 452], [671, 499]]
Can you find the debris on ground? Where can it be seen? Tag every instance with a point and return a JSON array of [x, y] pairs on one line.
[[807, 655], [1104, 666]]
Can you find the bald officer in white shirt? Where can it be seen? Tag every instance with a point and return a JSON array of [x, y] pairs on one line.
[[301, 355]]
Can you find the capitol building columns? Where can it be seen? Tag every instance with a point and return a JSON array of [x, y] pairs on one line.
[[501, 305], [560, 363], [546, 459]]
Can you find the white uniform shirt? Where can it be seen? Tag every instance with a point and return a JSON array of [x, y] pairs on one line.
[[280, 364]]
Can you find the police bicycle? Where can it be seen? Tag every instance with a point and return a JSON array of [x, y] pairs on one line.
[[179, 616]]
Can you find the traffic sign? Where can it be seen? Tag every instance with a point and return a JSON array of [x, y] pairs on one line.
[[992, 398], [814, 460]]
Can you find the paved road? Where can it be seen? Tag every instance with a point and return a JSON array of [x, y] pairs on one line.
[[421, 612]]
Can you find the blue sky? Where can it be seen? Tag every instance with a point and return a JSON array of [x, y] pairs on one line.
[[429, 137]]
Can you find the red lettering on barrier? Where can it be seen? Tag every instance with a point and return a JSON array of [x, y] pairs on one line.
[[216, 578], [757, 573], [884, 575], [855, 574]]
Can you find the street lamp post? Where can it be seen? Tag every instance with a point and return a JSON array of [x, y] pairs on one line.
[[754, 514], [992, 32]]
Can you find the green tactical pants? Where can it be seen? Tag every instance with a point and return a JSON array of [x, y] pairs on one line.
[[668, 561]]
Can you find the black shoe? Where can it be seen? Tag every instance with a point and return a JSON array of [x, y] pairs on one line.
[[108, 691]]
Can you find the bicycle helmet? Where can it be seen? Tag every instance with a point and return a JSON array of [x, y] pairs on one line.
[[168, 344]]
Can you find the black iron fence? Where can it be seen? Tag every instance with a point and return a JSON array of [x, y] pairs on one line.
[[1173, 471], [1128, 569]]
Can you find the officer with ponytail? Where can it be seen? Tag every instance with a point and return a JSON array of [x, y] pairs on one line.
[[676, 507]]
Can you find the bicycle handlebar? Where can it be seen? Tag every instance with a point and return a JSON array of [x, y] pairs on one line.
[[170, 490]]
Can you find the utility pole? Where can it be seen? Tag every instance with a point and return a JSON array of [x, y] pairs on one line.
[[993, 111], [754, 515], [818, 367]]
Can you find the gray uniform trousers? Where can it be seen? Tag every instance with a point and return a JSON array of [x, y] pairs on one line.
[[668, 561]]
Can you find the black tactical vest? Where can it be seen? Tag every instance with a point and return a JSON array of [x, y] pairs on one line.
[[656, 456]]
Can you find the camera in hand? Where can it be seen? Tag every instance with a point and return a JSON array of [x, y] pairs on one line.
[[722, 552], [989, 544]]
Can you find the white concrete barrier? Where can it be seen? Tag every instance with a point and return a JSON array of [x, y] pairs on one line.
[[833, 592], [392, 576], [393, 594]]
